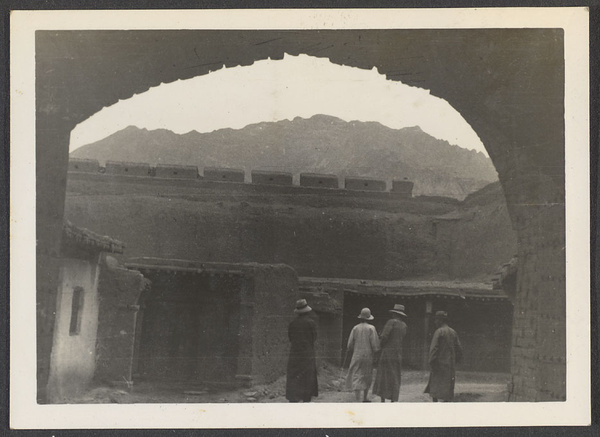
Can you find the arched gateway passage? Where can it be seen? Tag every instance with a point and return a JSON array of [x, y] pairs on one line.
[[507, 83]]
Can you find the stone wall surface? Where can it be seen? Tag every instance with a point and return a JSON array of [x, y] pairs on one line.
[[539, 335]]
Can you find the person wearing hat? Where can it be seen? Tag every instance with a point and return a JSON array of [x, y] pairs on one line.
[[387, 381], [363, 344], [444, 353], [301, 382]]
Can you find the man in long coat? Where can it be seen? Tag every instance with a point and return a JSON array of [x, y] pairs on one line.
[[364, 344], [387, 381], [301, 384], [444, 353]]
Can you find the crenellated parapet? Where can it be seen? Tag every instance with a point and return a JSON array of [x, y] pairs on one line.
[[271, 177], [399, 188], [222, 174], [176, 171], [364, 184], [319, 180], [127, 168]]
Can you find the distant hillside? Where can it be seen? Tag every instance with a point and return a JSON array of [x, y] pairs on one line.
[[321, 144]]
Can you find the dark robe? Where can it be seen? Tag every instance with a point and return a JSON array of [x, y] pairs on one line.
[[387, 381], [301, 382], [444, 353]]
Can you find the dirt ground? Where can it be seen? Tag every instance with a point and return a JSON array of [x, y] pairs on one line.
[[470, 387]]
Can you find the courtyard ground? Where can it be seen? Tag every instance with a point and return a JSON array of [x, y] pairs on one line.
[[470, 387]]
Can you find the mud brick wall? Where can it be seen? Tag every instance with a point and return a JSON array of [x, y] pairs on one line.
[[327, 308], [275, 291], [329, 338], [119, 290], [539, 337], [319, 232]]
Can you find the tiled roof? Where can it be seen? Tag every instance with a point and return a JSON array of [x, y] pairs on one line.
[[449, 289], [88, 240]]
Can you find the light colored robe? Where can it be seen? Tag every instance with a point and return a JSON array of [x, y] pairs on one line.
[[364, 343]]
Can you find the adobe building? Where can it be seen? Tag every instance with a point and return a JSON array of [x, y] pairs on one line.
[[321, 233], [94, 332], [480, 313], [213, 324]]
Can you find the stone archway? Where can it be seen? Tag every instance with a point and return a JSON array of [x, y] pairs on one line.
[[507, 83]]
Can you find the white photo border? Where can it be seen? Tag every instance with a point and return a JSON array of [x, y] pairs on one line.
[[25, 413]]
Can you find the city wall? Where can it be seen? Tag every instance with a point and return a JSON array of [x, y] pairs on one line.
[[320, 232], [218, 174]]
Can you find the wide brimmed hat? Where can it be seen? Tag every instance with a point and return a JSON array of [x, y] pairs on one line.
[[365, 314], [398, 309], [441, 314], [302, 307]]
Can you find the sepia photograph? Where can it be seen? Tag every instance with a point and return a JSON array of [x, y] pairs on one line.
[[251, 210]]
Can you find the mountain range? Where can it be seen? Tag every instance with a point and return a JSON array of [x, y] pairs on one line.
[[320, 144]]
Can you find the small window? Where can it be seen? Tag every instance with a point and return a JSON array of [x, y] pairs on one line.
[[76, 310]]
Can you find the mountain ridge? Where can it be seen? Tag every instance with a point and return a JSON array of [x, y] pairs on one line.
[[319, 144]]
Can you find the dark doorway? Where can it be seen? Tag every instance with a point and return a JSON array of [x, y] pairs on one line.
[[190, 327]]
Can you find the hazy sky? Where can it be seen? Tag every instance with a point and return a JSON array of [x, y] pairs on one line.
[[277, 90]]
